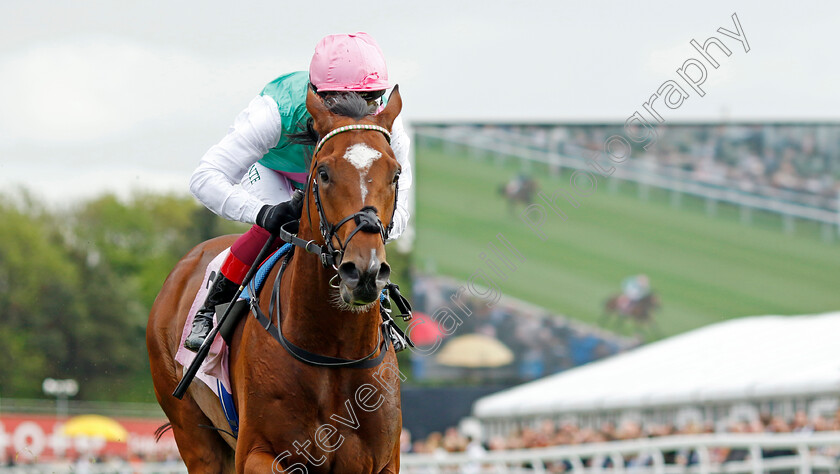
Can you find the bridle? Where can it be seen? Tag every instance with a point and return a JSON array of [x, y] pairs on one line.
[[366, 219]]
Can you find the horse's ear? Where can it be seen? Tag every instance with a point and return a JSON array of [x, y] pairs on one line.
[[321, 116], [392, 109]]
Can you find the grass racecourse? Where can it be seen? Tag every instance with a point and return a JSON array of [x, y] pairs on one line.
[[704, 268]]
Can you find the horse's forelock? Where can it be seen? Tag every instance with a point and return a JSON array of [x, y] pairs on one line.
[[349, 104]]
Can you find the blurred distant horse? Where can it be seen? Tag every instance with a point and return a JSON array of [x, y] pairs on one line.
[[320, 369], [640, 312], [519, 190]]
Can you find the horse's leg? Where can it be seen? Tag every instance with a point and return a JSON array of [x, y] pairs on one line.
[[620, 317], [653, 326], [652, 304], [642, 330], [203, 450], [393, 466], [605, 317], [259, 462], [610, 310]]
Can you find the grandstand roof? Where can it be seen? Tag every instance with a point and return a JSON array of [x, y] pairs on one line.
[[739, 359]]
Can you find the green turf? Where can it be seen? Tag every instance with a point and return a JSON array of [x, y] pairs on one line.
[[705, 269]]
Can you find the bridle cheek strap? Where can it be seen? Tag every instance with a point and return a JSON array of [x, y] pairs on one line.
[[366, 221]]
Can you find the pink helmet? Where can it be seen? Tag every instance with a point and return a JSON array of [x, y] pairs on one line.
[[348, 63]]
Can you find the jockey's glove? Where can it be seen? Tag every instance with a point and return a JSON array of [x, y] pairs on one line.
[[271, 218]]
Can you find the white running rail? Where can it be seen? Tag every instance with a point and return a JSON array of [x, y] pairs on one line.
[[816, 452], [807, 453], [675, 180]]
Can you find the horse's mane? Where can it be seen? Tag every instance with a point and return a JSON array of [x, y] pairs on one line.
[[347, 104]]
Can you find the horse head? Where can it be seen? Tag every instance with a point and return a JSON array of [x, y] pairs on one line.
[[352, 193]]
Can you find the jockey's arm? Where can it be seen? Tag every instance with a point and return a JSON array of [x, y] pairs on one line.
[[215, 182], [255, 131], [400, 143]]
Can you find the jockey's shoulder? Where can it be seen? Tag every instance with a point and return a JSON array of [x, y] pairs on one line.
[[288, 91]]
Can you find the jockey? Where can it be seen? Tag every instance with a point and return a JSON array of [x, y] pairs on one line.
[[252, 174], [633, 289]]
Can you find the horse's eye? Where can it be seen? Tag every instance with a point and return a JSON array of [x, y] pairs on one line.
[[325, 177], [396, 178]]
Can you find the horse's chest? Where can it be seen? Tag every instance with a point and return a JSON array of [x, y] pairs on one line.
[[341, 424], [365, 420]]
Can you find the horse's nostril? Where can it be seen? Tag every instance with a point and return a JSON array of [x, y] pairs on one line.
[[384, 273], [349, 274]]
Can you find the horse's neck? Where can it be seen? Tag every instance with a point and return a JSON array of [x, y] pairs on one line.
[[312, 322]]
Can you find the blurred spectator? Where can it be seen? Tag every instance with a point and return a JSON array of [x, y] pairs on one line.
[[548, 433], [475, 451], [405, 441], [763, 159], [542, 343]]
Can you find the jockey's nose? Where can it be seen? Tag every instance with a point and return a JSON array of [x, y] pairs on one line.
[[364, 279]]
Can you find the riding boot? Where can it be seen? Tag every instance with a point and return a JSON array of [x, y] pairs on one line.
[[221, 291]]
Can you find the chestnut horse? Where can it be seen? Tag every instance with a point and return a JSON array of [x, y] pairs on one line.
[[297, 417], [639, 312]]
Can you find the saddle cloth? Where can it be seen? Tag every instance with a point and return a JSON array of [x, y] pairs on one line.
[[214, 370]]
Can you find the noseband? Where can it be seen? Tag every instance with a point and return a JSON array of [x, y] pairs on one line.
[[366, 219]]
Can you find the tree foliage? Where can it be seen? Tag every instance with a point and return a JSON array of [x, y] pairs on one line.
[[76, 288]]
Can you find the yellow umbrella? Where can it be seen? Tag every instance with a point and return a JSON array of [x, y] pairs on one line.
[[475, 350], [95, 426]]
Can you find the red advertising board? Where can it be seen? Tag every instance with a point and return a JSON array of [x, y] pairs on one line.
[[37, 437]]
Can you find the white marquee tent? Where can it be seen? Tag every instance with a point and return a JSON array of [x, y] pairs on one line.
[[764, 357]]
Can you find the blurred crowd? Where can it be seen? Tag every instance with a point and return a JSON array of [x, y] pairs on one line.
[[552, 434], [777, 160], [165, 463], [542, 343]]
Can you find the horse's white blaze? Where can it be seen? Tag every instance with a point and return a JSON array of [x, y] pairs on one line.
[[362, 156]]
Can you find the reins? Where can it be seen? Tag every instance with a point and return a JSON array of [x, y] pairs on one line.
[[275, 329], [389, 332]]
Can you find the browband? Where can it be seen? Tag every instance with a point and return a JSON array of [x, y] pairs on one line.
[[347, 128]]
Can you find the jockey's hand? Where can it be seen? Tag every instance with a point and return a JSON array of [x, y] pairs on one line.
[[271, 218]]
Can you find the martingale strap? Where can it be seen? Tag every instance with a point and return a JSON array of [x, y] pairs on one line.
[[327, 257], [319, 360]]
